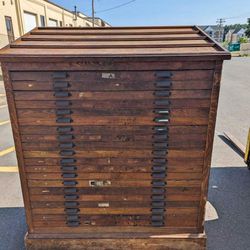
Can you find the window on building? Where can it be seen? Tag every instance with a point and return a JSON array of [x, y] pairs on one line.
[[61, 23], [9, 27], [42, 21], [70, 25], [52, 23], [30, 21]]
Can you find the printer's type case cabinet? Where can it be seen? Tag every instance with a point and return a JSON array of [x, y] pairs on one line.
[[113, 130]]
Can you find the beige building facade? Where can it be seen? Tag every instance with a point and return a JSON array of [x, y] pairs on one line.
[[18, 17]]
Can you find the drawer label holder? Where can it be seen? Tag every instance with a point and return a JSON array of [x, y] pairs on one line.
[[162, 112], [65, 139]]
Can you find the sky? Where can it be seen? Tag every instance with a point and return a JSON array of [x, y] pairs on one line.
[[164, 12]]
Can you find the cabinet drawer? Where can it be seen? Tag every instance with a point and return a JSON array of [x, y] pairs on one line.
[[115, 211], [89, 193], [110, 176], [57, 220], [176, 160], [113, 183], [110, 131], [110, 204], [84, 112], [112, 80], [115, 104], [186, 195], [108, 95], [116, 120], [115, 153], [147, 143]]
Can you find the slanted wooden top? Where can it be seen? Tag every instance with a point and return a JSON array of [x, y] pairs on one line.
[[113, 42]]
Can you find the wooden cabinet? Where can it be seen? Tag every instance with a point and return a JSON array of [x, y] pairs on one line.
[[113, 130]]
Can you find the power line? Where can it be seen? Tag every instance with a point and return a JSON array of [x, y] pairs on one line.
[[116, 7], [242, 15], [220, 26]]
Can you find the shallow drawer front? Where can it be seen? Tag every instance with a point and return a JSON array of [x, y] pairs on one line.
[[111, 80]]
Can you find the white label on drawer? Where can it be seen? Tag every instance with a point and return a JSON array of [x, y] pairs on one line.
[[99, 183], [104, 204], [108, 75]]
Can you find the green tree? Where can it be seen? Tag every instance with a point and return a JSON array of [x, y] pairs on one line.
[[248, 28]]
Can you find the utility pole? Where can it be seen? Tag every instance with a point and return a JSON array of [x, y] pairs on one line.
[[220, 22], [93, 13]]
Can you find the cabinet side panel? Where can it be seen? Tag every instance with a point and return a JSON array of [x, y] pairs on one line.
[[209, 143], [18, 145]]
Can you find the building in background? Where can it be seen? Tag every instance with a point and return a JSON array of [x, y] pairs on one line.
[[234, 35], [18, 17], [215, 31]]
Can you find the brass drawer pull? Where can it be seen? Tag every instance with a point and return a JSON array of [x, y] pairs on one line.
[[158, 210], [71, 204], [72, 210], [160, 129], [73, 223], [72, 217], [71, 197], [163, 84], [65, 137], [63, 103], [157, 217], [161, 93], [68, 168], [158, 197], [158, 204], [69, 175], [162, 102], [67, 152], [67, 161], [61, 94], [68, 145], [69, 183], [64, 120], [70, 190], [161, 119], [64, 129], [159, 161], [159, 169], [161, 111], [160, 145], [163, 74], [158, 175], [158, 190], [160, 153], [158, 183], [59, 74], [63, 112], [58, 85], [157, 223], [160, 137]]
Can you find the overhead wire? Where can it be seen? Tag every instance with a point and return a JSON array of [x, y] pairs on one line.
[[115, 7]]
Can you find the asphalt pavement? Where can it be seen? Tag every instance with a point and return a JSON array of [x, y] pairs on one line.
[[229, 191]]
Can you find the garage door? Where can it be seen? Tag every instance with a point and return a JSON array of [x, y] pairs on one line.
[[29, 21], [52, 22]]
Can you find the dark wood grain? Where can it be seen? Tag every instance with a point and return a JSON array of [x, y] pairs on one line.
[[111, 77]]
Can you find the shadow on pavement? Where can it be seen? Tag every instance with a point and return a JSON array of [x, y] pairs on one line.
[[12, 228], [229, 193]]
